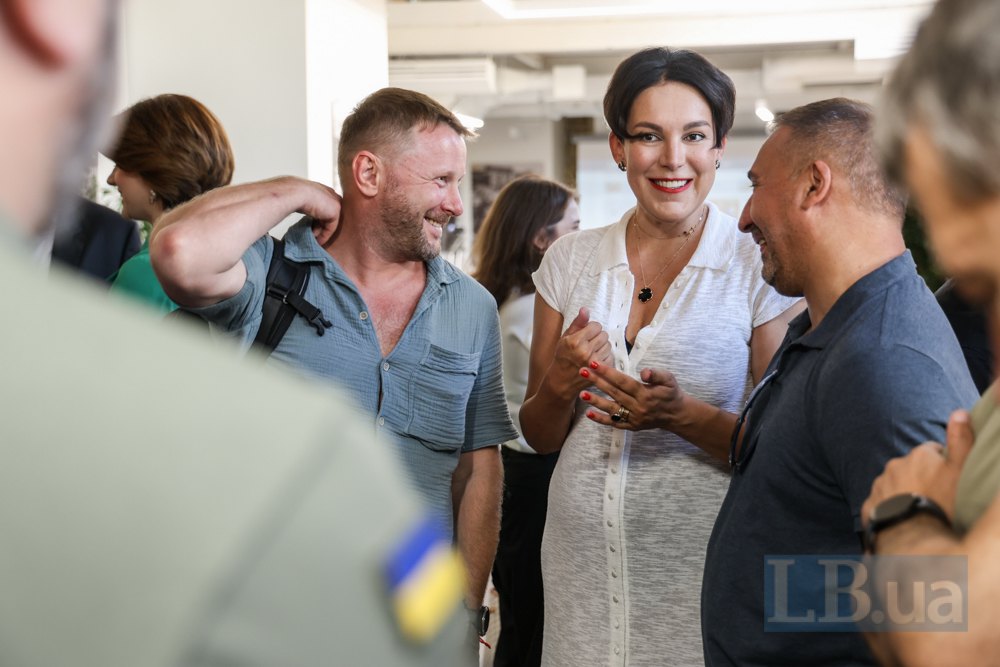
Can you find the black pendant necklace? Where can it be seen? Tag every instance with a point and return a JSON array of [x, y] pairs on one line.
[[646, 293]]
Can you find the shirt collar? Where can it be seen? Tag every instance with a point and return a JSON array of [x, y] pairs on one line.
[[301, 246], [715, 250], [850, 303]]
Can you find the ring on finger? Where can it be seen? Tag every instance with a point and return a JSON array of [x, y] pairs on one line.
[[621, 415]]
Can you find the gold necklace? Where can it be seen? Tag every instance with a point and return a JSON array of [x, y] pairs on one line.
[[646, 293]]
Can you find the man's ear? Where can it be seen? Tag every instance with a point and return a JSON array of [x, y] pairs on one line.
[[819, 184], [368, 172], [57, 32]]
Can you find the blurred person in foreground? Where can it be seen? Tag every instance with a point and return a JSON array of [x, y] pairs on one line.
[[666, 314], [229, 533], [170, 150], [528, 215], [940, 135]]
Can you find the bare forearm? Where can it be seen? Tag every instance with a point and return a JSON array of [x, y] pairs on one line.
[[197, 248], [546, 417], [477, 498], [707, 426]]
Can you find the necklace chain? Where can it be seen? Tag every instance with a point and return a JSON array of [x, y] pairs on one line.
[[646, 293]]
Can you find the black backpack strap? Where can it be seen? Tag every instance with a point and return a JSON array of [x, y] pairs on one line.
[[283, 300]]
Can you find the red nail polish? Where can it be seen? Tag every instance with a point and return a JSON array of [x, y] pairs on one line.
[[594, 365], [585, 395], [590, 415], [584, 372]]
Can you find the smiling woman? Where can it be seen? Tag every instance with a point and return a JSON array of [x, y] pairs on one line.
[[647, 335]]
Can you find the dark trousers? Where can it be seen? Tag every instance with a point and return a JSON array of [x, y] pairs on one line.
[[517, 570]]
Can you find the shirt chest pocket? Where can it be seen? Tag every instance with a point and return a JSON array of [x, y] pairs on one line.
[[439, 395]]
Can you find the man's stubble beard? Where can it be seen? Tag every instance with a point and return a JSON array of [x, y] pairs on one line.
[[403, 230]]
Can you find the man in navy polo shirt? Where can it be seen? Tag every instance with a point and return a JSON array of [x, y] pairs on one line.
[[869, 371]]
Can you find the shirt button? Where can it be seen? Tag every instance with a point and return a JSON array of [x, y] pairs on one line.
[[615, 598], [612, 547], [381, 421], [652, 323], [385, 366], [614, 469], [618, 624], [363, 315], [611, 523], [611, 496], [614, 574], [621, 365], [617, 650]]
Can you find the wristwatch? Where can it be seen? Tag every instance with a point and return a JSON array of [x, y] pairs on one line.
[[480, 619], [897, 509]]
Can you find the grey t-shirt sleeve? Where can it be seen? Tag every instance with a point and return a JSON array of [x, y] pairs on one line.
[[239, 315]]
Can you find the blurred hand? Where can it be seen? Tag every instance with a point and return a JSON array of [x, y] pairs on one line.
[[928, 470]]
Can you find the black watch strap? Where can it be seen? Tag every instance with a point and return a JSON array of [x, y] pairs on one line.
[[480, 619], [898, 509]]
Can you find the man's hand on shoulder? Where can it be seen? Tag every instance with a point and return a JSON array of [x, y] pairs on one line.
[[323, 206]]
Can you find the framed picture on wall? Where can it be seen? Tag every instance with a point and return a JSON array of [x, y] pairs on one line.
[[488, 180]]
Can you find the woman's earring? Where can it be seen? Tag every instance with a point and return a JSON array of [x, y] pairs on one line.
[[621, 164], [152, 197], [717, 164]]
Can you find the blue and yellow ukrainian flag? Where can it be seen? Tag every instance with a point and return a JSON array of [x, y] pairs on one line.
[[426, 582]]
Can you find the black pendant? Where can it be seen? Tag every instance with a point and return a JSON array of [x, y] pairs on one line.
[[645, 294]]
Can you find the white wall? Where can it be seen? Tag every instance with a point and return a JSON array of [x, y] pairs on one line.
[[244, 59], [280, 74], [347, 58]]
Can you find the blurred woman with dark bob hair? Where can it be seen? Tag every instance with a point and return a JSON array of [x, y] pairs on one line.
[[649, 334], [528, 215], [170, 150]]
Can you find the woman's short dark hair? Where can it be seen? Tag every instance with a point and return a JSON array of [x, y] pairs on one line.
[[177, 145], [651, 67], [504, 251]]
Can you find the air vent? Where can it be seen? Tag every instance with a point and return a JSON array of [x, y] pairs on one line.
[[434, 76]]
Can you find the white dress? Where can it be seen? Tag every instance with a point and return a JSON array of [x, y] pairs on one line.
[[630, 514]]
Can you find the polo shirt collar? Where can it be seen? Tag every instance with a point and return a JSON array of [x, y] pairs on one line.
[[301, 246], [851, 302], [715, 250]]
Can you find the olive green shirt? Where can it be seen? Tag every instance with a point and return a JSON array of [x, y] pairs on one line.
[[980, 480], [165, 502]]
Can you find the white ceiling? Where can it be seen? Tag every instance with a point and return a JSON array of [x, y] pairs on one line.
[[787, 52]]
